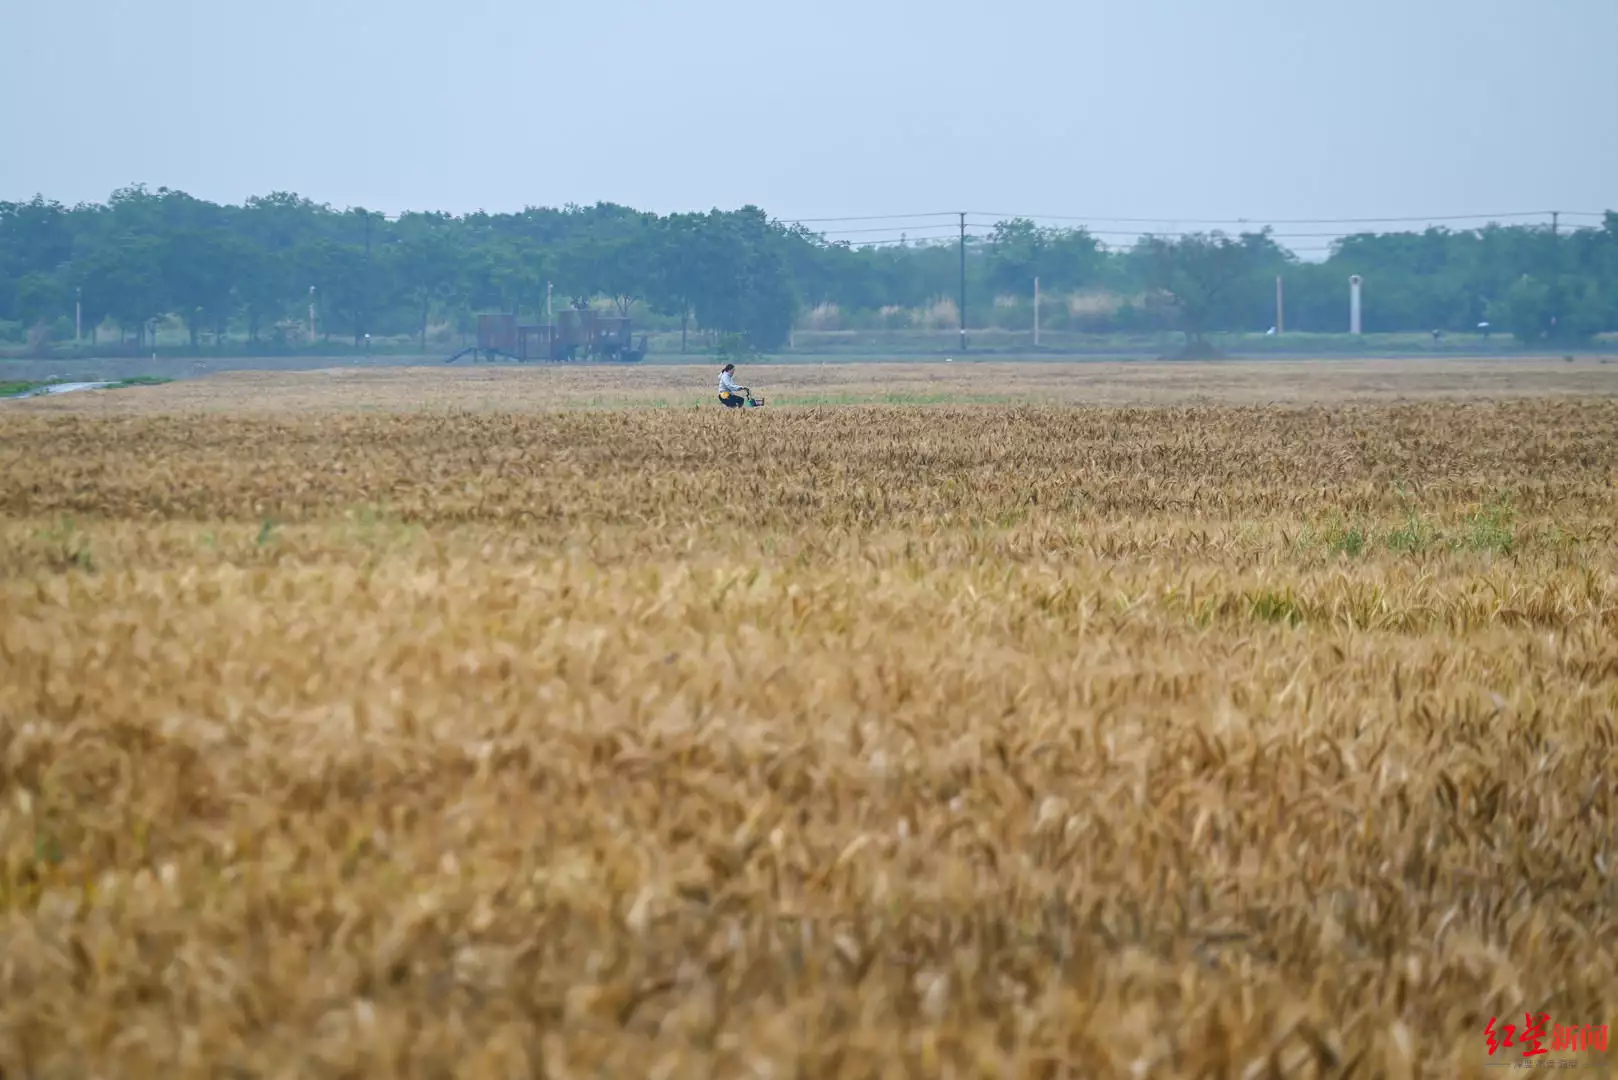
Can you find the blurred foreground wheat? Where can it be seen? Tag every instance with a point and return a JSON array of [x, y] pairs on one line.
[[872, 742]]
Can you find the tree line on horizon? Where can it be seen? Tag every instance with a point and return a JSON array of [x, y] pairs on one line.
[[248, 270]]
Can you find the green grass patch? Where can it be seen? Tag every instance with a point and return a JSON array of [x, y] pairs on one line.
[[1347, 540], [65, 546], [1267, 605], [1411, 538], [1415, 535], [1492, 528]]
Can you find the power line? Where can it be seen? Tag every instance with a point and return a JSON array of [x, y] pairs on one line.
[[1273, 236], [908, 238], [898, 221], [1277, 221], [914, 228], [394, 216], [915, 234], [870, 217], [890, 228], [940, 242]]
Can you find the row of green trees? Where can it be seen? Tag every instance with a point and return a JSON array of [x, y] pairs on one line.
[[1538, 283], [147, 255], [248, 270]]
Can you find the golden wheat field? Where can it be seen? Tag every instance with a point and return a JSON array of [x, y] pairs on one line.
[[514, 388], [402, 724]]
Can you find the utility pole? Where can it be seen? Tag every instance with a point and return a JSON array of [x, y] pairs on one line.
[[963, 281], [1556, 264], [1036, 312], [365, 308], [1280, 309], [78, 314], [311, 314]]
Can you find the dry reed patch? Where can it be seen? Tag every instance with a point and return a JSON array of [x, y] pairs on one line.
[[967, 740]]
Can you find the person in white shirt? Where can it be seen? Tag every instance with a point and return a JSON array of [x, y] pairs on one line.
[[730, 395]]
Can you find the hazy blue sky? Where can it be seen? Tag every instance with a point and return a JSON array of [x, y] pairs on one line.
[[1173, 109]]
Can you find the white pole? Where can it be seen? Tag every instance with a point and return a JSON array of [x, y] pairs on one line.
[[1036, 313], [311, 314], [78, 314], [1354, 304]]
